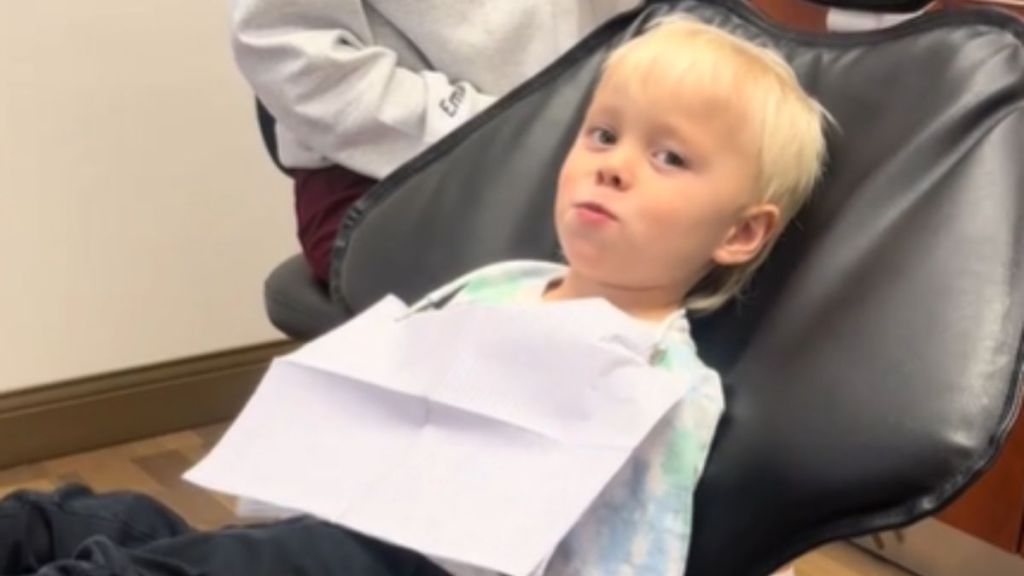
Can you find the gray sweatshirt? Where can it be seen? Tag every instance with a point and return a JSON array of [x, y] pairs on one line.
[[368, 85]]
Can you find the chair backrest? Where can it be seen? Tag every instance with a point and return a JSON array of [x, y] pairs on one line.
[[872, 370]]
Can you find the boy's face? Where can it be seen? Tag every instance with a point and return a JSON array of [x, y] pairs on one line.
[[657, 189]]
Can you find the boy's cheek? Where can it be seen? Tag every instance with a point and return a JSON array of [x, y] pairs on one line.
[[565, 181]]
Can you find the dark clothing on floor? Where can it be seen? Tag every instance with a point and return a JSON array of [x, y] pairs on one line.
[[74, 532]]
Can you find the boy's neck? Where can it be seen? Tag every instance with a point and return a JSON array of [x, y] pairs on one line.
[[652, 304]]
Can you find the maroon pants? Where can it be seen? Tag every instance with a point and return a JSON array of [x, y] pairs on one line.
[[322, 196]]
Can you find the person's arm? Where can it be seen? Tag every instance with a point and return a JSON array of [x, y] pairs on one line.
[[312, 64]]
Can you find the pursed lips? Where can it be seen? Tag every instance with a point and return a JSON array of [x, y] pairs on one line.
[[596, 208]]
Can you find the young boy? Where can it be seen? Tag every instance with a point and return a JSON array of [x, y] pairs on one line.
[[697, 148]]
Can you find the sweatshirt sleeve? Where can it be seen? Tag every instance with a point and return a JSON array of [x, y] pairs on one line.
[[313, 64]]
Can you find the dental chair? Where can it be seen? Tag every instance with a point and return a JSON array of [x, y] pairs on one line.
[[873, 368]]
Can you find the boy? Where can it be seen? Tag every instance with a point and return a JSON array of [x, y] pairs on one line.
[[696, 149]]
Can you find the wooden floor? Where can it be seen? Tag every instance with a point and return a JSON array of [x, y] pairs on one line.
[[155, 466]]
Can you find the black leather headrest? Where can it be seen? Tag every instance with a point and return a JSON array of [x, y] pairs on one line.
[[871, 370]]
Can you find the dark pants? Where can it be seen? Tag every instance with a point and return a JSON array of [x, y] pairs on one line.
[[322, 197], [73, 532]]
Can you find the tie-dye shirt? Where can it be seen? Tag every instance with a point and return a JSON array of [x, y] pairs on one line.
[[640, 523]]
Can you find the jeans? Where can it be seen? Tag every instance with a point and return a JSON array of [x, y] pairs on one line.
[[74, 532]]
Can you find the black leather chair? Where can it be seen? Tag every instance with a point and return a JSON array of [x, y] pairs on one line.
[[873, 369]]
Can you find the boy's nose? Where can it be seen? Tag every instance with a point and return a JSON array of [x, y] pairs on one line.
[[614, 174]]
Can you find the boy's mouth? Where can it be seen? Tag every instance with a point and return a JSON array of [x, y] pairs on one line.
[[595, 210]]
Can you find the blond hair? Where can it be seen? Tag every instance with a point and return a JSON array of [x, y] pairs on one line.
[[788, 128]]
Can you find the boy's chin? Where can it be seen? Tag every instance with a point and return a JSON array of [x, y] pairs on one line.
[[593, 264]]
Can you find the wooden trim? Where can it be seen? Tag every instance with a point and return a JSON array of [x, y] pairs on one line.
[[800, 15], [992, 509], [87, 413]]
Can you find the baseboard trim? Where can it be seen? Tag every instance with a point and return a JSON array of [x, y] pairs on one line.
[[97, 411]]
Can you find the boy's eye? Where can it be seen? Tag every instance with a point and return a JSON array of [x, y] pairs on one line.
[[669, 158], [602, 136]]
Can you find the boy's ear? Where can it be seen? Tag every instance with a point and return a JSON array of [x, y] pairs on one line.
[[747, 237]]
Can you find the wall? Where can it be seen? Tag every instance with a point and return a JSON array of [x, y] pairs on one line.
[[138, 213]]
